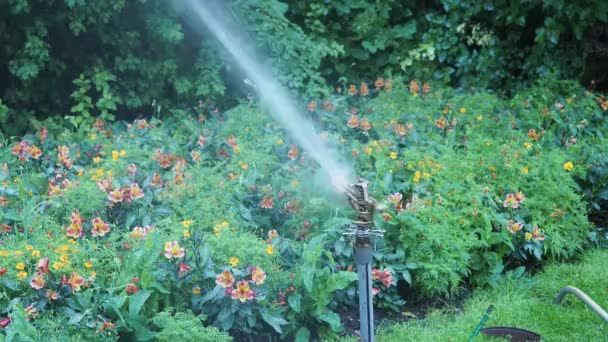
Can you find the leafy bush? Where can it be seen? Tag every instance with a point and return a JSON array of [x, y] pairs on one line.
[[184, 326]]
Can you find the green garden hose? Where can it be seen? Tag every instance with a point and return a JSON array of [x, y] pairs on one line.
[[481, 323]]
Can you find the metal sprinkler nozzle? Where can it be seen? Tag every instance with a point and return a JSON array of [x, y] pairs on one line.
[[364, 205]]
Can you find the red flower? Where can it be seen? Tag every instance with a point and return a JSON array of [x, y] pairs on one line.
[[131, 289], [3, 271], [183, 268], [312, 106]]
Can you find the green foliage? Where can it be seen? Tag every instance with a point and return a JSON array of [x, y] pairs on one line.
[[184, 326]]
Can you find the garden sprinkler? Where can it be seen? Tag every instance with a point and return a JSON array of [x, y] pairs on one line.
[[364, 205]]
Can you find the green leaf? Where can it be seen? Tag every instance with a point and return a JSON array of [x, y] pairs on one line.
[[405, 31], [137, 302], [333, 319], [308, 274], [303, 335], [342, 280], [407, 276], [274, 321], [294, 302]]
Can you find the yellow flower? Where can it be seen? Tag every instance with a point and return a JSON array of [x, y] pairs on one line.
[[368, 150], [568, 166], [29, 247], [80, 172], [186, 233], [114, 155], [235, 261], [236, 149], [426, 175], [17, 179], [279, 141], [99, 172], [36, 253], [20, 266], [65, 248], [122, 153], [5, 183], [88, 264], [4, 253], [22, 275], [528, 236], [93, 136], [417, 176], [243, 165], [187, 223], [269, 249], [65, 258], [72, 241], [96, 160], [196, 290], [225, 224], [463, 110], [479, 117], [524, 170], [527, 145], [58, 265], [393, 155]]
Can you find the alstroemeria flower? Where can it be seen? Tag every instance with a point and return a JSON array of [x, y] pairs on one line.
[[225, 279], [100, 228], [386, 277], [75, 282], [536, 235], [395, 198], [514, 227], [183, 268], [38, 281], [511, 201], [243, 292], [365, 125], [258, 275], [115, 196], [353, 122], [135, 191], [272, 234], [43, 265], [105, 185], [74, 231], [267, 203], [293, 152], [202, 141], [173, 250]]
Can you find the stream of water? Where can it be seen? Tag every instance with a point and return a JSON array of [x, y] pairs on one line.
[[273, 95]]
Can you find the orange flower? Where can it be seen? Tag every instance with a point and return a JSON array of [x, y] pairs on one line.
[[100, 228], [243, 292], [414, 86], [173, 250], [426, 88], [352, 91], [75, 282], [232, 141], [329, 106], [74, 231], [3, 201], [50, 294], [225, 279], [37, 281], [441, 123], [312, 106], [364, 91], [365, 125], [532, 134], [293, 152], [267, 203], [258, 275], [379, 83], [353, 122]]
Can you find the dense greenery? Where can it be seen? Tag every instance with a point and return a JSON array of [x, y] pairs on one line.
[[129, 58], [525, 303], [117, 227]]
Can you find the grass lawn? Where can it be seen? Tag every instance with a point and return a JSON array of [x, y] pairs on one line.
[[524, 303]]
